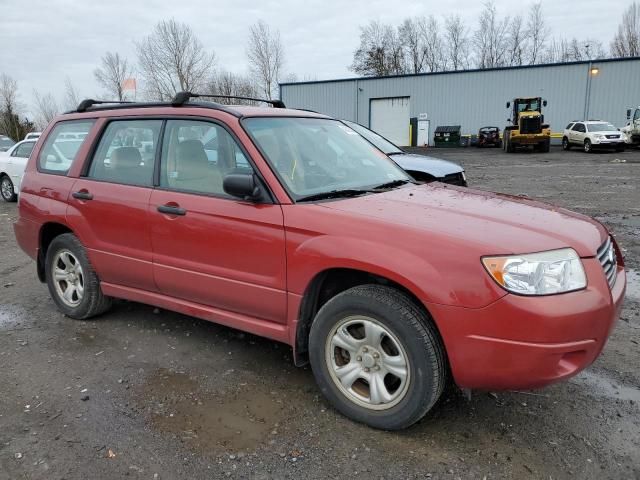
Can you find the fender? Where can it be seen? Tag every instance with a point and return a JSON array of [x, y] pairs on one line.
[[319, 253]]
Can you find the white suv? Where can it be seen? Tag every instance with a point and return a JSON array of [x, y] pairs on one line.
[[593, 134]]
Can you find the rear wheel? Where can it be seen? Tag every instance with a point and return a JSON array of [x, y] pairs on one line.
[[587, 146], [377, 357], [565, 144], [72, 281], [7, 190]]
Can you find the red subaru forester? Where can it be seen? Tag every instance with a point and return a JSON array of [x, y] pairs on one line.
[[288, 224]]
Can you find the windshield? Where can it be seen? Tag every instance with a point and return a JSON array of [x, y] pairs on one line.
[[6, 142], [600, 127], [378, 140], [316, 155], [529, 105]]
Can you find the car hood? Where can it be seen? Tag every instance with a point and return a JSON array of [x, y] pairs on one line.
[[490, 223], [421, 163]]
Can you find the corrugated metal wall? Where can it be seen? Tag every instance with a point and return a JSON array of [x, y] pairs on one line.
[[477, 98]]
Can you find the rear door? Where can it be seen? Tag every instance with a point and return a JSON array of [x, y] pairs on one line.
[[208, 247], [108, 206]]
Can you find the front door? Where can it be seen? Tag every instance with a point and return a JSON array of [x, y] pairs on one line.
[[209, 248], [108, 208]]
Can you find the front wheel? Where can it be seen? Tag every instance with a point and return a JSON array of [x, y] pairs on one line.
[[72, 281], [565, 144], [377, 357], [587, 146], [7, 190]]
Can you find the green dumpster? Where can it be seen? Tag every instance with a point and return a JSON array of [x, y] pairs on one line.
[[447, 136]]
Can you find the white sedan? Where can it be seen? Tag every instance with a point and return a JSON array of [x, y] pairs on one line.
[[12, 165]]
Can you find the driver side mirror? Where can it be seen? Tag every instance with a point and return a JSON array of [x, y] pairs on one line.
[[544, 103], [508, 104], [628, 113], [244, 186]]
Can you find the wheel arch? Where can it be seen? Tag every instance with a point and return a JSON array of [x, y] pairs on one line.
[[327, 284], [48, 231]]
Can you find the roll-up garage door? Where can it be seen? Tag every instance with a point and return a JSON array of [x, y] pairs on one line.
[[390, 118]]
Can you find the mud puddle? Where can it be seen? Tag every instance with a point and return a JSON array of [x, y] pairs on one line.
[[211, 422], [600, 385], [13, 318], [633, 285]]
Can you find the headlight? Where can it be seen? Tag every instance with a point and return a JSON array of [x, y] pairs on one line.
[[544, 273], [598, 135]]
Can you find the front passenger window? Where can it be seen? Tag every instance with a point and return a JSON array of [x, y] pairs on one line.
[[196, 156], [126, 152]]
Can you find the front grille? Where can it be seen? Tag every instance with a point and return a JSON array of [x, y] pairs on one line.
[[613, 136], [455, 179], [607, 257], [530, 125]]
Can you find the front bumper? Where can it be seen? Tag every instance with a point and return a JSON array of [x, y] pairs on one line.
[[608, 143], [523, 342]]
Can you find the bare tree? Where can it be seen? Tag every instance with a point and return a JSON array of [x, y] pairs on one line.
[[380, 52], [266, 57], [434, 57], [537, 32], [172, 59], [112, 74], [410, 36], [516, 42], [456, 43], [46, 108], [71, 96], [626, 42], [10, 122], [227, 83], [489, 40]]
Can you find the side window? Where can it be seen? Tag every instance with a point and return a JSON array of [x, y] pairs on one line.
[[24, 150], [579, 127], [196, 156], [568, 127], [636, 115], [126, 152], [59, 152]]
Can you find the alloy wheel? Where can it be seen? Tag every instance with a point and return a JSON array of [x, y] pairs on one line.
[[367, 363], [68, 278], [6, 187]]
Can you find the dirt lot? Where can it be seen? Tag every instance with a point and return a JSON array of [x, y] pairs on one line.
[[153, 394]]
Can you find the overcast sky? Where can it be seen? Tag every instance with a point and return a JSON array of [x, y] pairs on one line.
[[44, 41]]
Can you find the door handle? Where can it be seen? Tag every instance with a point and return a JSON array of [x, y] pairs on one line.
[[171, 210], [82, 195]]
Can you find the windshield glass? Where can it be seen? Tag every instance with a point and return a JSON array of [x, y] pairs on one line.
[[379, 141], [6, 142], [317, 155], [600, 127], [528, 105]]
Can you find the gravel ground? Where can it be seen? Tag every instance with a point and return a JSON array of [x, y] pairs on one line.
[[151, 394]]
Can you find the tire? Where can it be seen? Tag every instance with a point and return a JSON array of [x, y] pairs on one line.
[[510, 147], [565, 144], [544, 148], [67, 256], [407, 333], [7, 190], [587, 146]]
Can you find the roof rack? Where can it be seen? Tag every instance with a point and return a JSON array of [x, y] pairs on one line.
[[84, 105], [183, 97]]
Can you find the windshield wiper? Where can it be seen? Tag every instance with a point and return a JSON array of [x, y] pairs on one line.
[[393, 184], [399, 152], [350, 192]]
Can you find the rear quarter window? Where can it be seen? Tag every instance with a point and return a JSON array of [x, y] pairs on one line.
[[62, 145]]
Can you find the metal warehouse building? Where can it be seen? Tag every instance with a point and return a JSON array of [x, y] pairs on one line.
[[601, 89]]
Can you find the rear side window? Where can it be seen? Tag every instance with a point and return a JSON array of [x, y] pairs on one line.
[[126, 152], [59, 151]]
